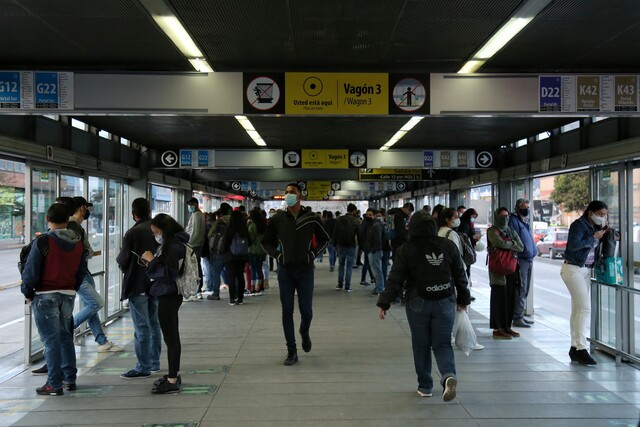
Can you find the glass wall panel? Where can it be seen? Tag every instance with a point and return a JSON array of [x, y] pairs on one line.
[[114, 216], [607, 191], [12, 183], [95, 225], [71, 186], [161, 200], [43, 195]]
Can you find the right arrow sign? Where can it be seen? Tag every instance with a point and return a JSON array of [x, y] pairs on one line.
[[484, 159]]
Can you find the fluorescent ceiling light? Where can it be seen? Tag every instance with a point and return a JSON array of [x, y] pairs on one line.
[[178, 35], [201, 65], [520, 19], [402, 132], [502, 37], [253, 133], [471, 67], [164, 15]]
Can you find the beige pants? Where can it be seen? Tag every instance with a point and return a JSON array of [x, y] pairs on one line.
[[578, 282]]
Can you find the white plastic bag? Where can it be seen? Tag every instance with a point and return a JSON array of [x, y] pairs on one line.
[[466, 339]]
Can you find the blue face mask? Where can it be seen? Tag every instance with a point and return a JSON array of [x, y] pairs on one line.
[[290, 199], [192, 209], [159, 239]]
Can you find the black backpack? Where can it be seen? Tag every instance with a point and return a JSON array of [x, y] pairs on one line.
[[344, 233], [219, 227], [43, 246]]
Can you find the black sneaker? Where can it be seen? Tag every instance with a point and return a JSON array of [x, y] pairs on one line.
[[164, 378], [166, 387], [292, 358], [40, 371], [70, 386], [47, 390], [375, 293], [449, 392], [306, 341], [134, 375], [339, 288], [213, 297]]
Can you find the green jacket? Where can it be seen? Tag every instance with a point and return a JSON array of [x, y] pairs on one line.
[[494, 240], [256, 241]]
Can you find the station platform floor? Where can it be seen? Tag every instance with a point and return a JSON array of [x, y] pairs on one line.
[[359, 373]]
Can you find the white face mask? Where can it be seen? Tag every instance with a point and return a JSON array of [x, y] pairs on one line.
[[473, 219], [290, 199], [598, 220], [455, 223], [159, 239]]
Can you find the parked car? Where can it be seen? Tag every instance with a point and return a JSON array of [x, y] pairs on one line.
[[554, 242], [539, 230]]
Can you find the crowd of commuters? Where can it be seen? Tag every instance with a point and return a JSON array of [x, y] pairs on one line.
[[429, 275]]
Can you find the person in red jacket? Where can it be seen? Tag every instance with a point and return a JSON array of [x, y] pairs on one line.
[[49, 283]]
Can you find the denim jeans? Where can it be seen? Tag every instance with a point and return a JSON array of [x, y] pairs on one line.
[[147, 339], [523, 290], [255, 264], [431, 324], [53, 314], [366, 267], [216, 270], [332, 254], [346, 255], [92, 303], [206, 274], [375, 263], [290, 281]]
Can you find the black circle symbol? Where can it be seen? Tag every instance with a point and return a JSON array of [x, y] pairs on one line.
[[312, 86], [169, 158], [313, 155], [484, 159]]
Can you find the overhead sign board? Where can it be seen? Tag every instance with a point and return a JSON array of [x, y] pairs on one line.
[[337, 93], [390, 175], [195, 159], [588, 93], [449, 159], [29, 90], [325, 159]]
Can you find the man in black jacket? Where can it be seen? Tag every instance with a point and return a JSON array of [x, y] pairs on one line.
[[288, 239], [135, 286], [400, 221]]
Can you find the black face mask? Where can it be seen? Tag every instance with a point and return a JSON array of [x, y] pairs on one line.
[[523, 212], [87, 214], [368, 218]]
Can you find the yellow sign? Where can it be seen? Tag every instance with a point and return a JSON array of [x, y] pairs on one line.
[[336, 93], [317, 190], [325, 159], [390, 175]]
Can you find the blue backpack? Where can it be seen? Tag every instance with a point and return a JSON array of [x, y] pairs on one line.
[[239, 245]]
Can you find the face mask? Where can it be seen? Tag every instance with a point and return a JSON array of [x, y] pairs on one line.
[[473, 219], [192, 209], [523, 212], [159, 239], [455, 223], [379, 219], [598, 220], [290, 199], [368, 218], [502, 221], [87, 214]]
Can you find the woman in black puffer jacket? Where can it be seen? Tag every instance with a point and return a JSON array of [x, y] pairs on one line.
[[434, 273]]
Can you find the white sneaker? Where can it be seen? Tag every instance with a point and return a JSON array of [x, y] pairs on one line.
[[199, 295], [191, 298], [109, 347], [478, 347], [77, 341]]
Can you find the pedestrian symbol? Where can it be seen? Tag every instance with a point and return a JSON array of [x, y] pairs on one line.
[[263, 93], [409, 94]]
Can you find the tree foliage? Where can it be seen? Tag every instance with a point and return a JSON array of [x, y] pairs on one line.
[[571, 191]]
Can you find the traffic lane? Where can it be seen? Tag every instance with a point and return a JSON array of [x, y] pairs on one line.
[[9, 274]]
